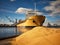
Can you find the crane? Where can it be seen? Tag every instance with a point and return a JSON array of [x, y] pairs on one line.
[[14, 22]]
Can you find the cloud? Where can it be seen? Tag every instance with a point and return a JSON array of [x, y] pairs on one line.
[[54, 7], [12, 0], [48, 8], [5, 10], [22, 10], [1, 20], [57, 22]]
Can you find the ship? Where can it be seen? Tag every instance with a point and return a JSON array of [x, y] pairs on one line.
[[32, 20]]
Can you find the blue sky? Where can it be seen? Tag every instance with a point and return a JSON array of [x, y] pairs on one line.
[[9, 8]]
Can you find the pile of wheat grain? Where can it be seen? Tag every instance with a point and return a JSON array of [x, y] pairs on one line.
[[39, 36]]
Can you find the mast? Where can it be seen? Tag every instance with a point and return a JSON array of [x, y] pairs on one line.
[[35, 8], [31, 12]]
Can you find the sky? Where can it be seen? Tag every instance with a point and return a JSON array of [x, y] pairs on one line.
[[16, 9]]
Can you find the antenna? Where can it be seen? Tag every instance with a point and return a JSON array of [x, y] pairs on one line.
[[35, 7]]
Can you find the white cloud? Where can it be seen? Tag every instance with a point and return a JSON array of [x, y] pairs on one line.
[[12, 0], [54, 3], [22, 10], [48, 8], [54, 8]]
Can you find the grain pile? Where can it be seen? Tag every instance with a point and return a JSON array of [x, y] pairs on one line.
[[29, 22], [39, 36], [33, 21]]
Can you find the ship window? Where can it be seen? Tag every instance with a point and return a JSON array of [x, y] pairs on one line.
[[33, 21]]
